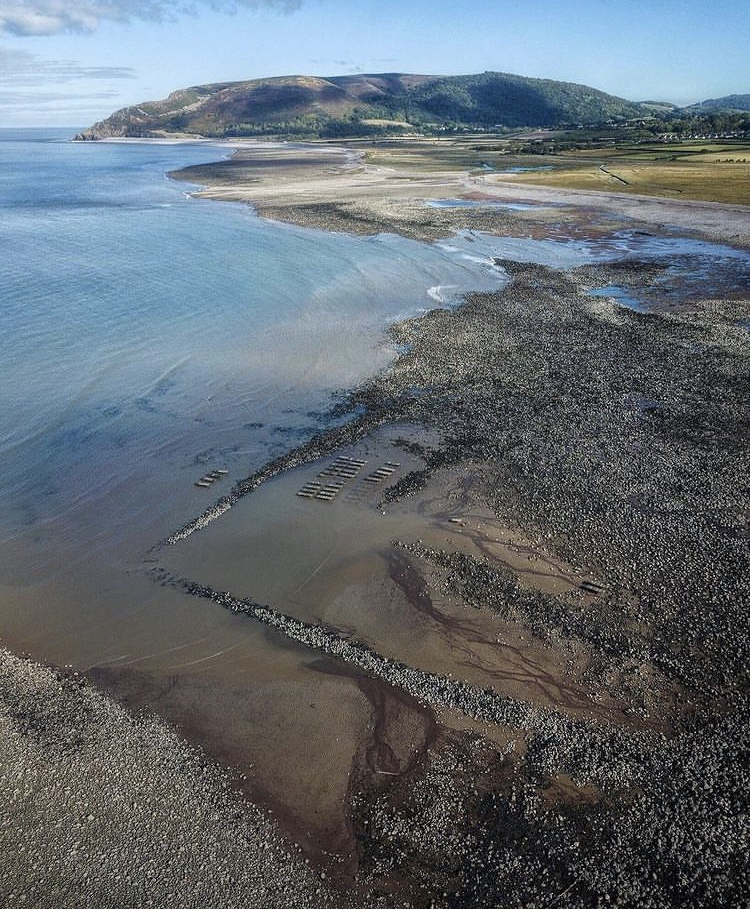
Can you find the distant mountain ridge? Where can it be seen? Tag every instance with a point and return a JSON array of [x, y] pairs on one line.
[[727, 103], [362, 104], [386, 104]]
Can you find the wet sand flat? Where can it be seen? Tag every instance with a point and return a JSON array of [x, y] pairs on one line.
[[342, 191], [540, 388], [335, 563], [501, 662]]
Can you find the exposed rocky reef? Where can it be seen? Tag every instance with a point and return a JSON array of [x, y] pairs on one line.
[[618, 441]]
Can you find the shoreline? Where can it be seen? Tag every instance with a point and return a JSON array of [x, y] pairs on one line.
[[676, 687], [368, 199], [105, 807], [459, 355]]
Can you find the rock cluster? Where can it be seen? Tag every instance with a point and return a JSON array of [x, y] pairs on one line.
[[679, 838], [102, 809], [616, 440], [411, 218]]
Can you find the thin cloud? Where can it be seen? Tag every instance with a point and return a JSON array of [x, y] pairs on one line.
[[32, 100], [19, 67], [26, 18], [337, 66]]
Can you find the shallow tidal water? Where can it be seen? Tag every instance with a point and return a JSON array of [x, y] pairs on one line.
[[148, 338]]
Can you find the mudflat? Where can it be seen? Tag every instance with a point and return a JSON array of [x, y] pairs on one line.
[[511, 583]]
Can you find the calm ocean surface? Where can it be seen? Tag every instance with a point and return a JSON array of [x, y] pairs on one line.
[[143, 330], [148, 337]]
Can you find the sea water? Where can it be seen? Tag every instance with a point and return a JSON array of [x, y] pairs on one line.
[[148, 337], [145, 331]]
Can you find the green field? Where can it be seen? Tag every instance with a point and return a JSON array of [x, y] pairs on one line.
[[712, 171]]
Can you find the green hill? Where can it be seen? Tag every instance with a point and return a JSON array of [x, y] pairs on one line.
[[366, 104], [728, 104]]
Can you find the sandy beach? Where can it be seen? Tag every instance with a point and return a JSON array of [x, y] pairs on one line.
[[511, 584], [336, 189]]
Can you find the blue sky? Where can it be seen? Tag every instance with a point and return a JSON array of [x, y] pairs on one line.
[[71, 62]]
